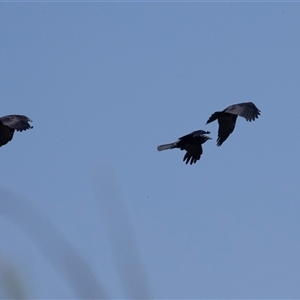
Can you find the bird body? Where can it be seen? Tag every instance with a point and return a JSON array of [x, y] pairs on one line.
[[227, 118], [192, 143], [10, 123]]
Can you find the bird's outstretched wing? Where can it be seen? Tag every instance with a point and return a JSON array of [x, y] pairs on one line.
[[227, 118], [226, 127], [247, 110], [6, 134], [193, 153], [16, 122]]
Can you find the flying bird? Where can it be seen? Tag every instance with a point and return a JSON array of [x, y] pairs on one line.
[[227, 118], [192, 143], [8, 125]]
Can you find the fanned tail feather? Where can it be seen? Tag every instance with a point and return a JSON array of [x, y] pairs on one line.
[[166, 146]]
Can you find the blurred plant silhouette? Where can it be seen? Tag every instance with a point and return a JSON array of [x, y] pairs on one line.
[[121, 234], [13, 286], [53, 244], [62, 255]]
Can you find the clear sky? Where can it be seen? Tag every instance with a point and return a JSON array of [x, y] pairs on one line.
[[90, 208]]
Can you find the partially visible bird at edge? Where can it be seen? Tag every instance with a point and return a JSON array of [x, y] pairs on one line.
[[191, 143], [227, 118], [10, 123]]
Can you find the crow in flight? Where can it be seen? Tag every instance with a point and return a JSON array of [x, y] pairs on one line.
[[192, 143], [8, 125], [227, 118]]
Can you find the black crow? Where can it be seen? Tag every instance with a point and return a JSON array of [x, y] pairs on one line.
[[227, 118], [8, 125], [192, 143]]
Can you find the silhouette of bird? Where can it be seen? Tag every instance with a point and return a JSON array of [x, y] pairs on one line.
[[227, 118], [192, 143], [8, 125]]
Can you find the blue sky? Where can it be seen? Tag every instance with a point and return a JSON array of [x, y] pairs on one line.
[[104, 84]]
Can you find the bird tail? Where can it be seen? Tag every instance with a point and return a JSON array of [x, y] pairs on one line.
[[213, 117], [166, 146]]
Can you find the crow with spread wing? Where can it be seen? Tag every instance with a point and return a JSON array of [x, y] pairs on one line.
[[8, 125], [191, 143], [227, 118]]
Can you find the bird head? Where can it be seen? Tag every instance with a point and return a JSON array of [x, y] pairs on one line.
[[206, 138]]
